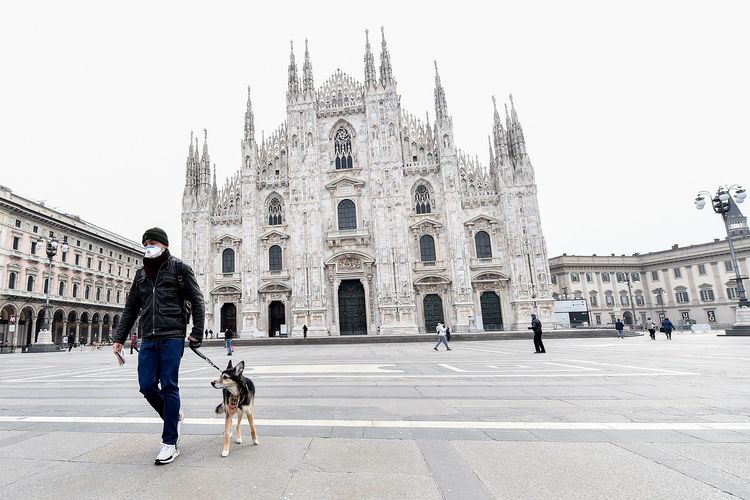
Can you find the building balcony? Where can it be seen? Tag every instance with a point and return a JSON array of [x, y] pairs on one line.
[[429, 266], [359, 236], [489, 262]]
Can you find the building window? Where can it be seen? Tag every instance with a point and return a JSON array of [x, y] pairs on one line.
[[610, 300], [654, 275], [422, 200], [118, 296], [109, 295], [427, 248], [483, 246], [35, 229], [707, 295], [98, 294], [701, 269], [78, 259], [88, 262], [46, 285], [682, 297], [731, 292], [624, 300], [18, 223], [61, 289], [274, 258], [227, 261], [659, 299], [553, 279], [64, 257], [605, 277], [347, 213], [127, 273], [620, 277], [635, 277], [275, 212], [91, 246], [100, 265], [119, 270], [16, 242], [639, 300], [101, 250], [33, 248], [75, 290], [589, 277], [677, 272], [30, 284], [110, 269], [575, 277], [598, 318], [592, 300], [343, 149], [728, 266], [87, 292]]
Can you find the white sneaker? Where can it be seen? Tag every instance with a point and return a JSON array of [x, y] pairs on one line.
[[167, 454], [179, 427]]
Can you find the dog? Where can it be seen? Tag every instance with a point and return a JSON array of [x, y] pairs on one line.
[[239, 395]]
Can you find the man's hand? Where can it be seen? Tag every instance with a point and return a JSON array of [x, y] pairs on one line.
[[116, 347], [194, 343]]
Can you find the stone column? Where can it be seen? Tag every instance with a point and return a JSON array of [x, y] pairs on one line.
[[78, 330]]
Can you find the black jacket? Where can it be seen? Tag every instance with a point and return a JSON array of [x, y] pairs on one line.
[[159, 306], [536, 326]]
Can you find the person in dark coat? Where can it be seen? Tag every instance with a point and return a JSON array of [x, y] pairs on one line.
[[619, 326], [536, 327], [668, 327], [304, 331]]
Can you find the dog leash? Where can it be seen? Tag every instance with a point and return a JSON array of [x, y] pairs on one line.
[[201, 355]]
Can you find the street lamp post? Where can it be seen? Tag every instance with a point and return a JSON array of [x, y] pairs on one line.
[[44, 340], [658, 293], [721, 203], [632, 304]]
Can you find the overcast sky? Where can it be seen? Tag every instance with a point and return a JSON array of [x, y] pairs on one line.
[[628, 108]]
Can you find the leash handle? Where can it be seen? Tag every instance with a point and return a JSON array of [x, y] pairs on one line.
[[201, 355]]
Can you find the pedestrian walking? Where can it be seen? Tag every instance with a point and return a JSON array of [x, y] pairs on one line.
[[619, 326], [210, 333], [158, 299], [134, 343], [304, 331], [448, 333], [228, 335], [668, 327], [536, 327], [440, 328], [651, 327], [205, 334], [71, 341]]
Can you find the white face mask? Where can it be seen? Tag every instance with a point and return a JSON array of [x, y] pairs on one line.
[[153, 251]]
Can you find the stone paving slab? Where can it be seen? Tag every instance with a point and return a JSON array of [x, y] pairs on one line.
[[576, 471]]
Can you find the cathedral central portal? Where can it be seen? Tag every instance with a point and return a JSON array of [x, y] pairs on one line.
[[352, 310]]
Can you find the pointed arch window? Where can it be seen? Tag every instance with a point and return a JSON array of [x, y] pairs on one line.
[[30, 284], [347, 215], [227, 261], [275, 212], [423, 200], [274, 258], [483, 245], [427, 248], [61, 289], [342, 147], [75, 290]]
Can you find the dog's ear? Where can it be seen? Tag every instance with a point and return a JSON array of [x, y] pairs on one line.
[[240, 366], [229, 366]]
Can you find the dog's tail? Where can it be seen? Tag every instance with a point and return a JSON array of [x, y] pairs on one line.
[[219, 409]]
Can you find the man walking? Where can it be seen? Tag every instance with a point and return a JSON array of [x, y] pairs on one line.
[[158, 295], [651, 327], [668, 327], [228, 335], [536, 327], [440, 328], [304, 331], [619, 326]]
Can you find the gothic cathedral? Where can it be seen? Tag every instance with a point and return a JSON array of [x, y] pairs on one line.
[[357, 218]]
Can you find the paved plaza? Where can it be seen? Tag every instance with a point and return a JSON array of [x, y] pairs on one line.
[[592, 418]]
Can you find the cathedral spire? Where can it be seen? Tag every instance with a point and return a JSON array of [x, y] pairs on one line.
[[501, 140], [205, 146], [519, 143], [386, 73], [293, 90], [195, 151], [308, 87], [492, 153], [249, 119], [190, 150], [441, 106], [370, 76], [215, 189]]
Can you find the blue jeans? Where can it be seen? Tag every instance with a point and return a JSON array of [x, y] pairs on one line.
[[228, 345], [158, 371], [442, 340]]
